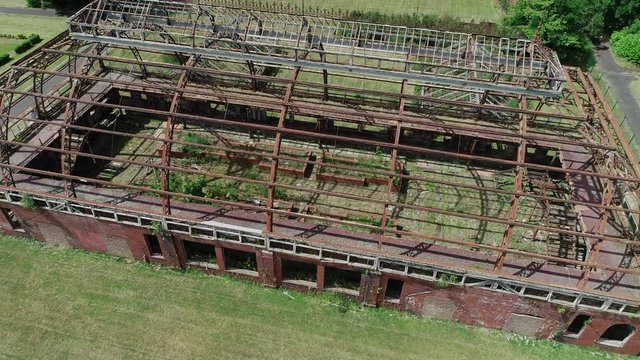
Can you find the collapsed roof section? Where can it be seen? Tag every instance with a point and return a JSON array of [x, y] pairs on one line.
[[437, 57]]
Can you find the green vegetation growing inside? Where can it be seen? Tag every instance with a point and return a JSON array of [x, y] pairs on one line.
[[157, 228], [447, 279], [195, 138], [28, 202]]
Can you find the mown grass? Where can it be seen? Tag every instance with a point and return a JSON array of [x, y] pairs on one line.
[[45, 26], [478, 10], [14, 3], [57, 304]]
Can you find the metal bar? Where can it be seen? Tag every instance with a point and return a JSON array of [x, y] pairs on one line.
[[392, 167], [337, 166], [515, 200], [403, 147], [273, 172], [169, 127]]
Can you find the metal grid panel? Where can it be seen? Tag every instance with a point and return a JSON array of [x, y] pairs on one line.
[[437, 57]]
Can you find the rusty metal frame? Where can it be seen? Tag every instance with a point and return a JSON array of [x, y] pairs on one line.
[[465, 113]]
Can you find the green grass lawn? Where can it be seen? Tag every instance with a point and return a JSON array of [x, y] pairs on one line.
[[7, 45], [45, 26], [59, 304], [14, 3], [635, 90], [479, 10]]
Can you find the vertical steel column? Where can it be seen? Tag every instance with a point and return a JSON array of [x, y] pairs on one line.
[[170, 125], [392, 166], [515, 200], [5, 149], [276, 148]]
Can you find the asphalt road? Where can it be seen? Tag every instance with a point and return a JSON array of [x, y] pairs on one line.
[[619, 78]]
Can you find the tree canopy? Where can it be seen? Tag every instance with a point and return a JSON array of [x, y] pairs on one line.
[[568, 26]]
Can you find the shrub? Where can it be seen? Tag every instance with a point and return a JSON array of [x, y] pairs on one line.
[[23, 47], [4, 58], [28, 43], [34, 3], [34, 39], [627, 45], [27, 202]]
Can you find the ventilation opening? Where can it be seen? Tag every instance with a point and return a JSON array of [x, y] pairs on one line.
[[12, 220], [240, 261], [199, 253], [299, 272], [577, 325], [617, 335], [346, 281], [153, 245], [394, 290]]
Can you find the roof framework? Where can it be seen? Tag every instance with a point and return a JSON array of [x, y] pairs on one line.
[[388, 93], [446, 58]]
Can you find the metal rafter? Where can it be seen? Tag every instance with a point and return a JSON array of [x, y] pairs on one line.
[[169, 127], [392, 167], [273, 171], [436, 57], [515, 200]]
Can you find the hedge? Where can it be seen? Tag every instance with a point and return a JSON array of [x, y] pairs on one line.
[[28, 43], [4, 58], [626, 43]]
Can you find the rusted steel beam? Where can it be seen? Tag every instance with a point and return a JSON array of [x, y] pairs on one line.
[[273, 171], [337, 166], [601, 118], [334, 111], [312, 134], [334, 194], [515, 200], [392, 167], [457, 103], [169, 127], [314, 217], [5, 151]]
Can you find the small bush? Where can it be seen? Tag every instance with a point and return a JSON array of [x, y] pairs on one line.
[[34, 39], [4, 58], [23, 47], [28, 43], [27, 202]]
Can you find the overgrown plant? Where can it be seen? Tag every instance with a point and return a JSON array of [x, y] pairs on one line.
[[157, 228], [28, 202], [446, 280]]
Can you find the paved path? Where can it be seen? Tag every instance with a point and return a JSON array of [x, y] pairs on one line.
[[619, 78]]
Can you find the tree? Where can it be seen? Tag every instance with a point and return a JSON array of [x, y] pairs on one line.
[[619, 14], [564, 25]]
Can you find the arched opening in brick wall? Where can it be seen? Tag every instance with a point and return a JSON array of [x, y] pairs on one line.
[[616, 335]]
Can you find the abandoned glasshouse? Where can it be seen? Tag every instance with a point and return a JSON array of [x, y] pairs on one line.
[[452, 175]]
